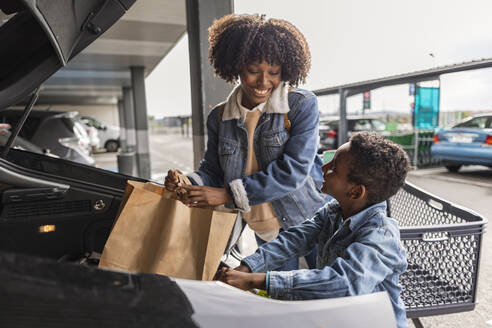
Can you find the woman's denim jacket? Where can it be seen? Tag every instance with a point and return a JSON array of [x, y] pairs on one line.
[[359, 256], [289, 173]]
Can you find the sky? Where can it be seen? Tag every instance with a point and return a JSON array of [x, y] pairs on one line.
[[357, 40]]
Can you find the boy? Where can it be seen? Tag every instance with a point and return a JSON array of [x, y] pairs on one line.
[[359, 248]]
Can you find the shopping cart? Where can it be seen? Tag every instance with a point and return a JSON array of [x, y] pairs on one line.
[[443, 243]]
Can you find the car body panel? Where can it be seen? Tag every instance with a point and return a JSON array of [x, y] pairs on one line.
[[94, 140], [465, 143], [456, 153], [218, 305], [103, 298], [106, 133], [46, 293]]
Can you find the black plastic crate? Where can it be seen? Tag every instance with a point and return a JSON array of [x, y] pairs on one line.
[[443, 243]]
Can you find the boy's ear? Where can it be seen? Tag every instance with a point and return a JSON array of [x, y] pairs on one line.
[[357, 191]]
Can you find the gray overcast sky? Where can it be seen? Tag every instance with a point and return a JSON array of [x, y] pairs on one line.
[[356, 40]]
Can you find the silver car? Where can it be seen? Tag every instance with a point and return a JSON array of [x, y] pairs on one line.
[[58, 133]]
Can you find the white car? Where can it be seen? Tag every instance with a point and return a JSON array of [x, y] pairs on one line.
[[92, 133], [109, 136]]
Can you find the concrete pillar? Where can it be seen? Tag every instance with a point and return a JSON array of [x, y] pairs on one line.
[[129, 118], [342, 125], [206, 89], [127, 162], [121, 118], [141, 126]]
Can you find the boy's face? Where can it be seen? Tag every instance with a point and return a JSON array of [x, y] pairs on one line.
[[335, 175]]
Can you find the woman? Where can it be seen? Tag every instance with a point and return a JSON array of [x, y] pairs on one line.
[[261, 155]]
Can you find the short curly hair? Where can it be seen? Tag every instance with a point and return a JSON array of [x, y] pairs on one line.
[[377, 163], [237, 40]]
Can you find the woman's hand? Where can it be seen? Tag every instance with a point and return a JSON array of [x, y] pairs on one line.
[[202, 196], [242, 280], [171, 182]]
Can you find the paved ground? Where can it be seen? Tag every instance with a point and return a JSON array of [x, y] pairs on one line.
[[166, 152], [471, 187]]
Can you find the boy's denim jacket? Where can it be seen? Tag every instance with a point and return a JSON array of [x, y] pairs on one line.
[[359, 256], [289, 174]]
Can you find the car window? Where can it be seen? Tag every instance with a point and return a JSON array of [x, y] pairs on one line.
[[477, 122], [92, 122], [79, 130], [378, 125], [362, 125]]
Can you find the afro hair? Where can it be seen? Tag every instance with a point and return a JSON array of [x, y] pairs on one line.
[[238, 40], [377, 163]]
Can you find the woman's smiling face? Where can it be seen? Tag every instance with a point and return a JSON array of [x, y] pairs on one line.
[[258, 80]]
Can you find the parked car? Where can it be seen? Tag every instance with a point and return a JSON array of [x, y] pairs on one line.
[[94, 140], [57, 132], [109, 136], [466, 143], [328, 129]]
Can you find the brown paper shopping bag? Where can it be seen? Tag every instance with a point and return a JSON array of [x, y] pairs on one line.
[[155, 233]]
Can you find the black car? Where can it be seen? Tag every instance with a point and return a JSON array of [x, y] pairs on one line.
[[328, 129]]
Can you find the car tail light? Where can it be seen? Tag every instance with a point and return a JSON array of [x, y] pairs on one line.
[[488, 141], [331, 134], [436, 138]]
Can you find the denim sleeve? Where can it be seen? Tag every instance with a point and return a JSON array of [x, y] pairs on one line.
[[210, 173], [294, 242], [290, 171], [365, 263]]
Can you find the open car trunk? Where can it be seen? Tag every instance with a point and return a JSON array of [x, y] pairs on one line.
[[51, 207], [39, 37]]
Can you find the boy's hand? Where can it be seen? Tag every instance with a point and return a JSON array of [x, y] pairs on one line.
[[219, 275], [242, 280], [242, 268]]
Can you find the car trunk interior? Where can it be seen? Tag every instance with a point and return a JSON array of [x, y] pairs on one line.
[[58, 222]]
